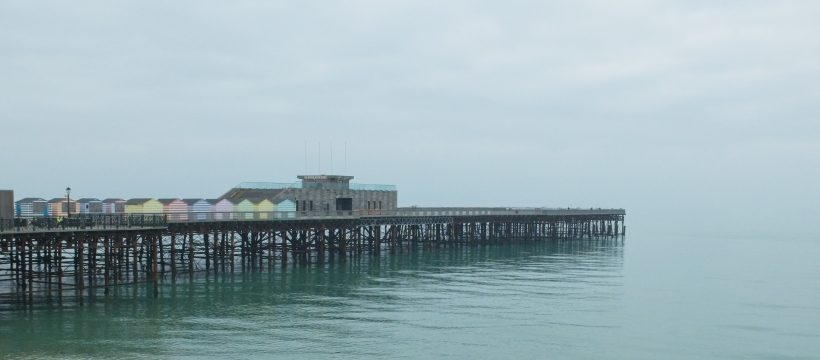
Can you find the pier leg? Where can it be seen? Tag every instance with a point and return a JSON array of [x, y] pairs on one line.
[[223, 250], [233, 250], [160, 242], [173, 257], [207, 252], [154, 273], [191, 255], [20, 272], [216, 251], [30, 272], [134, 267], [79, 256], [92, 252], [244, 250], [107, 260], [284, 247]]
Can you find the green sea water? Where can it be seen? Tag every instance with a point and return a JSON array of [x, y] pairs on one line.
[[644, 297]]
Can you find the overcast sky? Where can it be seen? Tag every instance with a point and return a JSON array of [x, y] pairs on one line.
[[695, 116]]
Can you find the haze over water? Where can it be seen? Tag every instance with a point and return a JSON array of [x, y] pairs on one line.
[[647, 297]]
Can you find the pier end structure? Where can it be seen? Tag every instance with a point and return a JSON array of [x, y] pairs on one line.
[[319, 193]]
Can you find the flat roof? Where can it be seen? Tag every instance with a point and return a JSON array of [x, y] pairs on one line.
[[325, 177]]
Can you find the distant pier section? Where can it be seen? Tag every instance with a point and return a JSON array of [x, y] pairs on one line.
[[78, 245]]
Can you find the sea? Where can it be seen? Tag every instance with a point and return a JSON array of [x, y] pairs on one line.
[[642, 296]]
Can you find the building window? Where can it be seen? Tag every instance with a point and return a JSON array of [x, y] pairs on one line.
[[311, 205], [380, 205]]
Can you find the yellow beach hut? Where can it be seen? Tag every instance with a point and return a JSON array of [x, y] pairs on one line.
[[265, 208], [143, 206]]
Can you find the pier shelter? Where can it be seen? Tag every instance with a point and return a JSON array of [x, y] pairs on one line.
[[319, 193]]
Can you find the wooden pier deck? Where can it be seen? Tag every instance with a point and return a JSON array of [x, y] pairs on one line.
[[106, 250]]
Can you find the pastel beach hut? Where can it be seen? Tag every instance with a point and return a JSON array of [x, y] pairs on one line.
[[58, 207], [89, 206], [176, 209], [198, 209], [143, 206], [265, 208], [223, 209], [286, 208], [152, 206], [113, 206], [31, 207], [245, 209]]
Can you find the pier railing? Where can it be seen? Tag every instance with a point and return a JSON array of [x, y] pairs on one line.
[[496, 211], [84, 222], [298, 185], [118, 221], [401, 212]]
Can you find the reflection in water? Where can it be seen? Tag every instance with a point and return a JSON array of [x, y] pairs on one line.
[[446, 301]]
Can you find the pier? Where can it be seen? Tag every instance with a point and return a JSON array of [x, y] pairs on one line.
[[50, 255]]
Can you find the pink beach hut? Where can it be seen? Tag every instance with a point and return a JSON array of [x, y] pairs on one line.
[[176, 209]]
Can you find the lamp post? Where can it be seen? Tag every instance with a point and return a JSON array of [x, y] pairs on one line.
[[68, 201]]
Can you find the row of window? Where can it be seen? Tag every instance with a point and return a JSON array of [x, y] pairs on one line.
[[307, 205]]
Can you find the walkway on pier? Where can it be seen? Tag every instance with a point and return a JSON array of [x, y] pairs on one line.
[[84, 223], [130, 221], [398, 213], [106, 250]]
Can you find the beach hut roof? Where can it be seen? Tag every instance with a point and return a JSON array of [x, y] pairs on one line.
[[238, 194], [56, 200], [88, 200], [137, 201], [192, 201], [257, 200], [30, 199], [167, 201], [212, 201], [113, 200]]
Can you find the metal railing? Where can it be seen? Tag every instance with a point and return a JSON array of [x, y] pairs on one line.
[[298, 185], [372, 187], [401, 212], [256, 215], [116, 221], [269, 185], [84, 222], [500, 211]]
